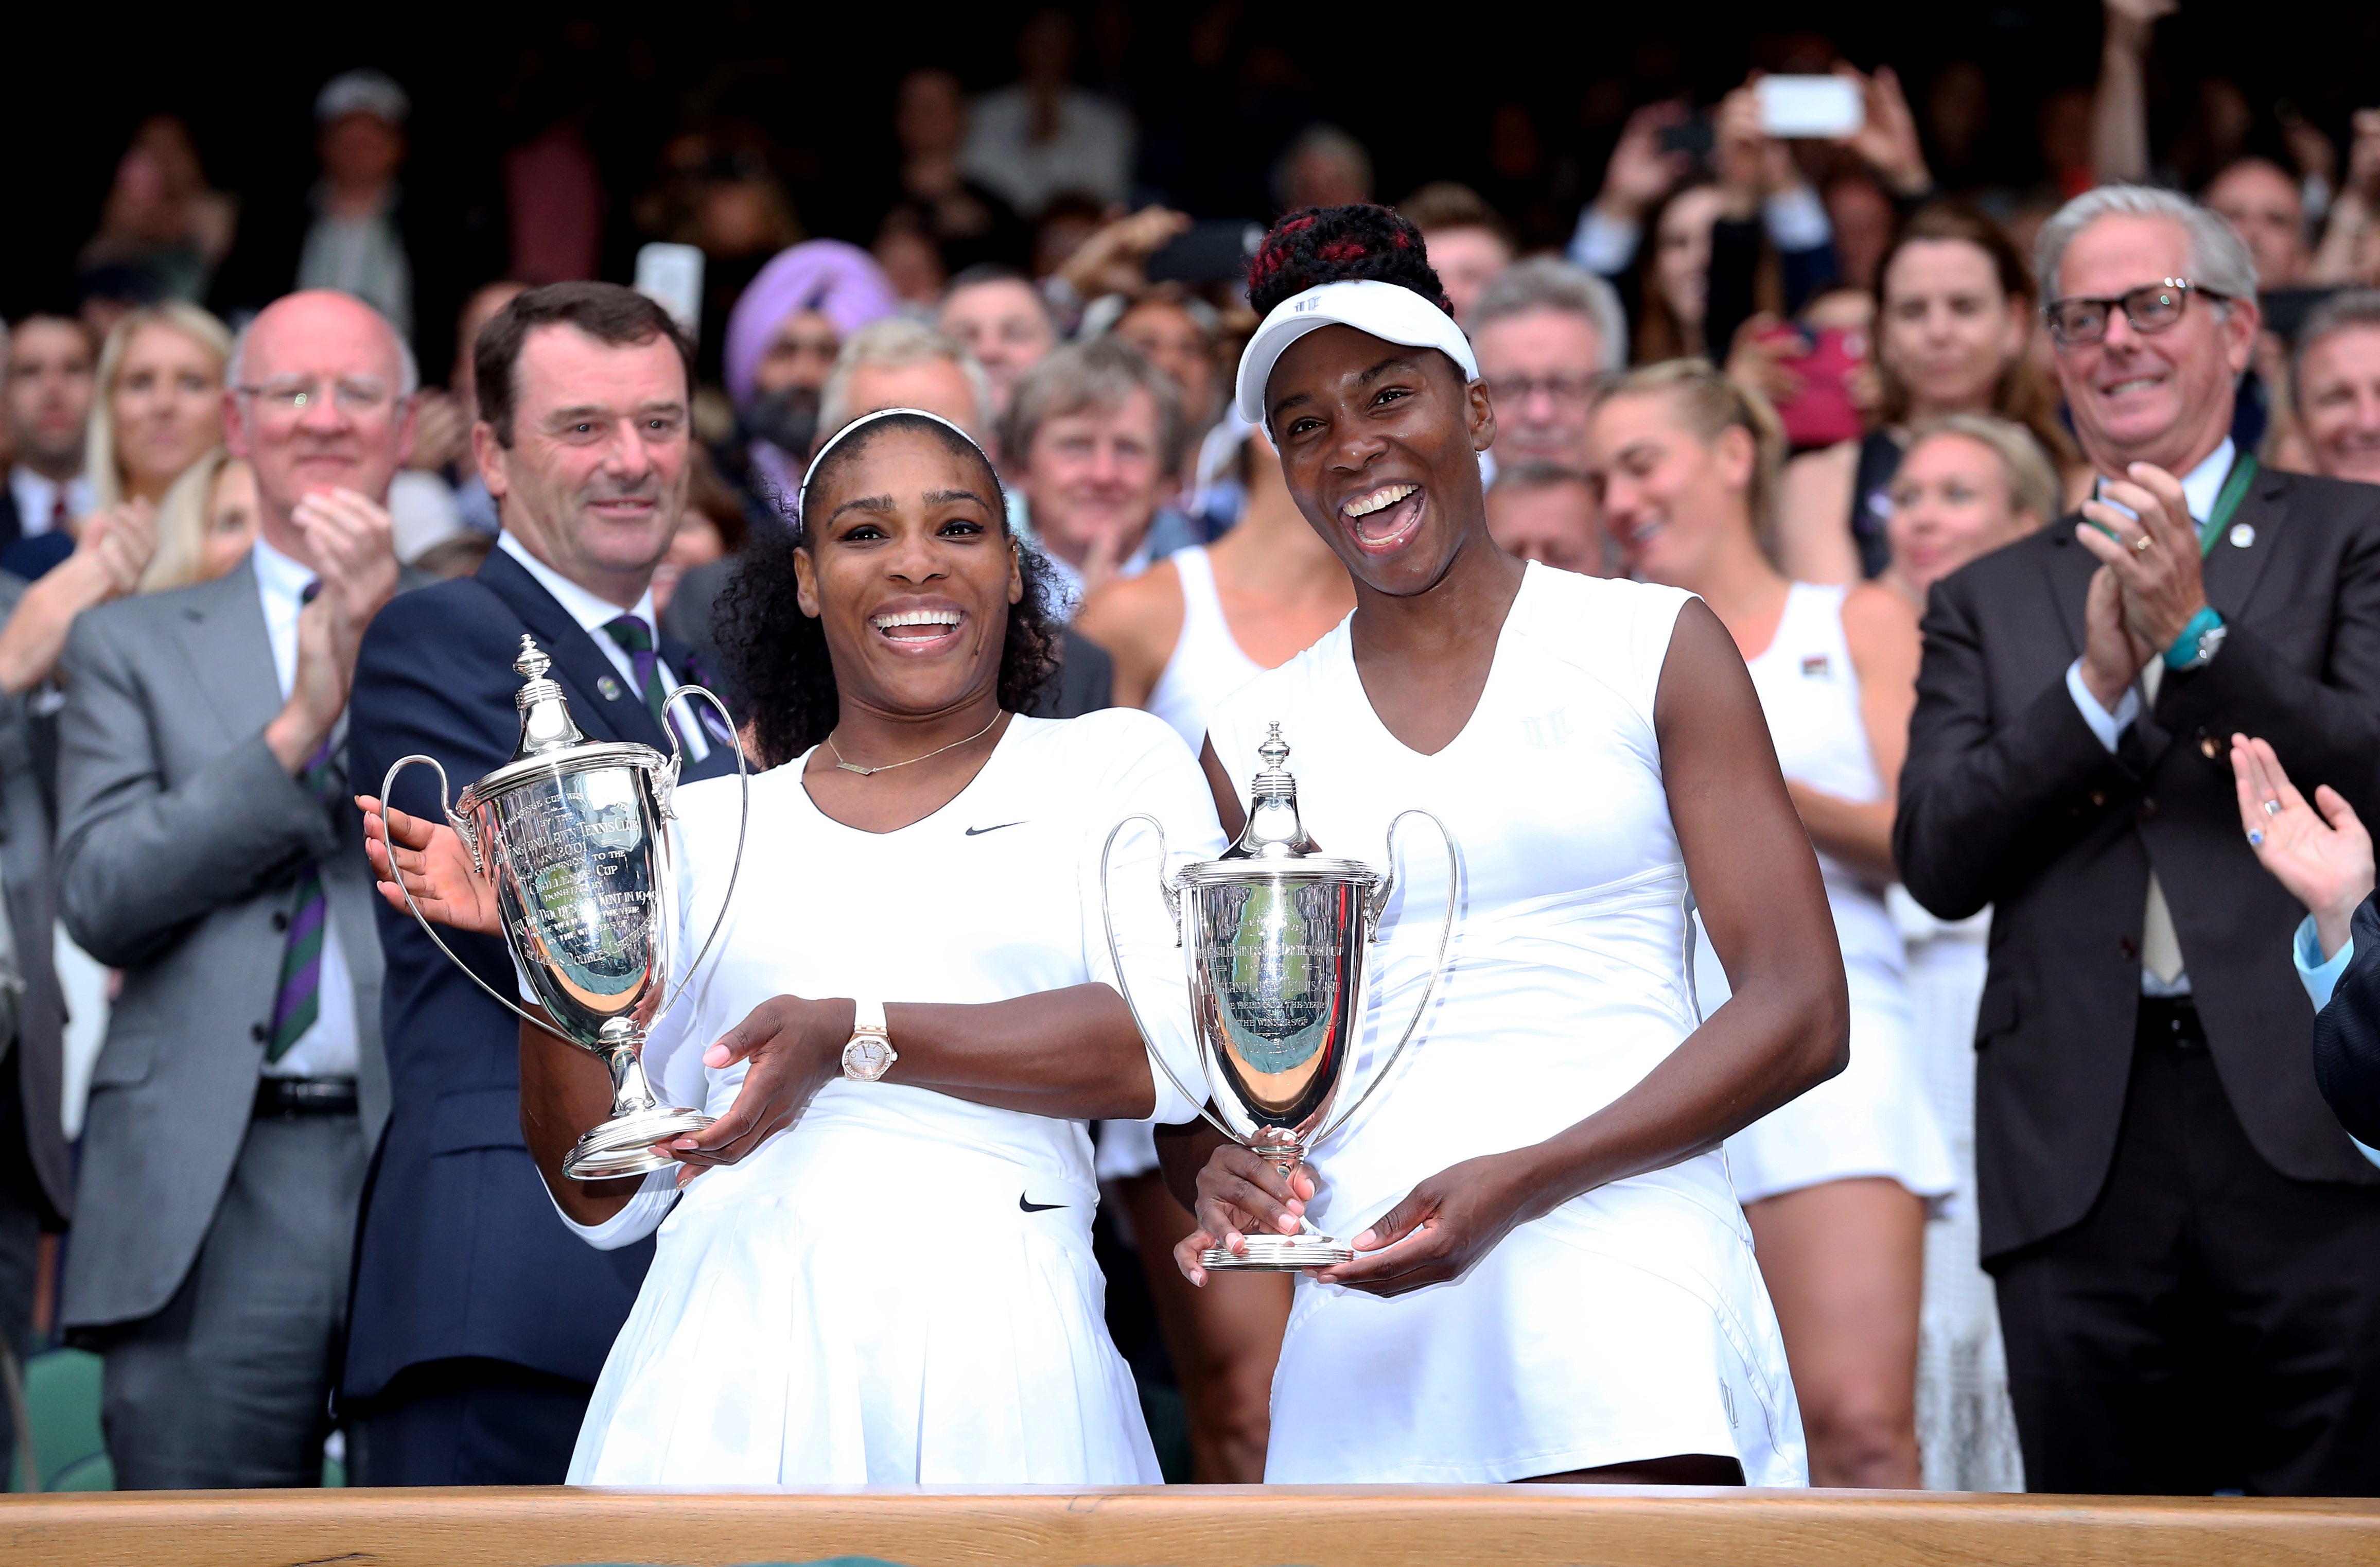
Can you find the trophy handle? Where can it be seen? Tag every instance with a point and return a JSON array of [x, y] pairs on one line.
[[1124, 987], [470, 835], [666, 791], [1376, 906]]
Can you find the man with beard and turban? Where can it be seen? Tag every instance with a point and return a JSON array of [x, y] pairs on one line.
[[781, 340]]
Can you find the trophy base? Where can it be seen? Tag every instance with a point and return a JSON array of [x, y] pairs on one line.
[[625, 1145], [1276, 1254]]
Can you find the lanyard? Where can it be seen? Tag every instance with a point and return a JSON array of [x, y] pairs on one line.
[[2235, 490]]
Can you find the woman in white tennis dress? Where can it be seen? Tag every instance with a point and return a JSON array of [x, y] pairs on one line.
[[1836, 1184], [1552, 1278], [883, 1272]]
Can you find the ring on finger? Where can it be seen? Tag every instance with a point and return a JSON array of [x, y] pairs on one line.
[[2256, 837], [2271, 808], [2141, 545]]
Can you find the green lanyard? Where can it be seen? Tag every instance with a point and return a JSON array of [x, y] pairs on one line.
[[2235, 490]]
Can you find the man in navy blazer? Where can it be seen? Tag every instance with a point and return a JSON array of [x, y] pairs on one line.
[[480, 1322]]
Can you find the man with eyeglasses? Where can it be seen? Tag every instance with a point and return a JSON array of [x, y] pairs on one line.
[[209, 849], [2185, 1243], [1544, 332]]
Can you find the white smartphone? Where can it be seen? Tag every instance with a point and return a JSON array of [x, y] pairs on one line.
[[1810, 106], [671, 277]]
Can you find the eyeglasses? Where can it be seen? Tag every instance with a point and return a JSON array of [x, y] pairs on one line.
[[290, 397], [1570, 390], [2077, 323]]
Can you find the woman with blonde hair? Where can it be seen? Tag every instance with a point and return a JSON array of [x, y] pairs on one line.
[[1836, 1182], [157, 411], [205, 524]]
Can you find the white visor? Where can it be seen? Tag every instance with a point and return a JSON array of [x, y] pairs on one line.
[[1390, 311]]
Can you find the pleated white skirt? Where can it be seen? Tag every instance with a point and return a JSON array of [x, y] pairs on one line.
[[835, 1311]]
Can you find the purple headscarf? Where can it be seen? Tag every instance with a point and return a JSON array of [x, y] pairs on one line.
[[841, 281]]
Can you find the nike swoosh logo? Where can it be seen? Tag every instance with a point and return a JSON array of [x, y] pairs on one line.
[[974, 831], [1032, 1207]]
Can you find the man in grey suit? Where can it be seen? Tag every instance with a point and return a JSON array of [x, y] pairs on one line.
[[208, 847]]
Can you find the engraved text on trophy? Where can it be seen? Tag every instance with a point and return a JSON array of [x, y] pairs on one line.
[[577, 879]]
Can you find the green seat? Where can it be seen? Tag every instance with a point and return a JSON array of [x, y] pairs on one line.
[[62, 1402]]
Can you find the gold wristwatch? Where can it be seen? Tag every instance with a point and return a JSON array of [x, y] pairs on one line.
[[868, 1055]]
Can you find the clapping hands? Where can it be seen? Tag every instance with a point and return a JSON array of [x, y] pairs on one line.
[[2322, 852]]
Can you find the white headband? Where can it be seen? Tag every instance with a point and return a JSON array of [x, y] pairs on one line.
[[801, 496], [1390, 311]]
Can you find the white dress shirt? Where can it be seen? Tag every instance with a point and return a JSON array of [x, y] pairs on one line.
[[2201, 488], [37, 498], [593, 613], [328, 1049]]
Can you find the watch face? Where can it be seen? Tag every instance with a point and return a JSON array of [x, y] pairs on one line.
[[866, 1057]]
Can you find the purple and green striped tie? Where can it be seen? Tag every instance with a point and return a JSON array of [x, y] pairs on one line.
[[299, 1002], [636, 639]]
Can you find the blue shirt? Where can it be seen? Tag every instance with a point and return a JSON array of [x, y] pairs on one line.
[[2321, 977]]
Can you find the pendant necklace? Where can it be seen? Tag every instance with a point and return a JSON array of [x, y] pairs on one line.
[[871, 772]]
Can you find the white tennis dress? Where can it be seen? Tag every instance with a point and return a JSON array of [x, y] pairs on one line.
[[1629, 1323], [1207, 665], [1872, 1118], [898, 1288]]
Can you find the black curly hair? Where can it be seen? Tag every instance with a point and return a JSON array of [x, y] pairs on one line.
[[1319, 245], [777, 656]]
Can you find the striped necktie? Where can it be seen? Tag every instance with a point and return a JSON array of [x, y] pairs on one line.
[[636, 639], [299, 1002]]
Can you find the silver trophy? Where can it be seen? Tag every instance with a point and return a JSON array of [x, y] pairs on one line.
[[572, 832], [1274, 934]]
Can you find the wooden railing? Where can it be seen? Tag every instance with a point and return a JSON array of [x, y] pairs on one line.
[[1178, 1526]]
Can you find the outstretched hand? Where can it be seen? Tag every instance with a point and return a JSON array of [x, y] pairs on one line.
[[2324, 860], [435, 866], [794, 1047]]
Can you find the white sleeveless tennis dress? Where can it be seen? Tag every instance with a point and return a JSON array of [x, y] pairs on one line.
[[1630, 1322], [1207, 666], [898, 1289], [1208, 663], [1873, 1117]]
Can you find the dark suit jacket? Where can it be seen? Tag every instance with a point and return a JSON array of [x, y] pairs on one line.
[[1085, 681], [2347, 1034], [2009, 799], [461, 1253], [31, 886]]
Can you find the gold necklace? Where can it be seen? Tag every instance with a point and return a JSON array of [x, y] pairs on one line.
[[871, 772]]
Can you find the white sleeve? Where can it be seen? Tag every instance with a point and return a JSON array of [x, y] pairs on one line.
[[633, 1223], [1154, 773], [2108, 727]]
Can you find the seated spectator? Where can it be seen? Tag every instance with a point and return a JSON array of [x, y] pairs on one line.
[[2266, 208], [1541, 512], [2350, 252], [782, 339], [1043, 135], [442, 429], [161, 218], [1095, 436], [45, 402], [1544, 332], [965, 221], [1954, 303], [997, 314], [1177, 333], [157, 408], [1675, 287], [1323, 166], [2336, 377], [1469, 243], [1968, 484], [206, 524]]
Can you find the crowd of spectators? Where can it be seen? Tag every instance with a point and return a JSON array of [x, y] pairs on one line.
[[1848, 331]]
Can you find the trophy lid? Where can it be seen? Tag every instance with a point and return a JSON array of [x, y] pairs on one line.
[[550, 739], [1274, 841], [546, 724]]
